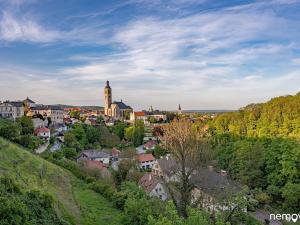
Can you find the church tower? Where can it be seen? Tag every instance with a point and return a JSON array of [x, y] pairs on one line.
[[107, 99], [179, 109]]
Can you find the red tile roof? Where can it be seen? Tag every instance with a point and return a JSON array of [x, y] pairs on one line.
[[41, 130], [148, 182], [145, 157], [139, 113], [150, 144]]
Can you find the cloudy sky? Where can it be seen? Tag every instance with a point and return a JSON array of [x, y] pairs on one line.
[[203, 54]]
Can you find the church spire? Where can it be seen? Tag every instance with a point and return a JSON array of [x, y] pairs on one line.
[[107, 84], [179, 109]]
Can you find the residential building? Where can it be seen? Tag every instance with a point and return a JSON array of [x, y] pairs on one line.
[[214, 188], [38, 122], [116, 110], [42, 132], [146, 161], [96, 155], [211, 187], [166, 168], [146, 116], [154, 186], [55, 113], [12, 110], [138, 116]]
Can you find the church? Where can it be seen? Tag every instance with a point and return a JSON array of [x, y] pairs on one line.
[[116, 110]]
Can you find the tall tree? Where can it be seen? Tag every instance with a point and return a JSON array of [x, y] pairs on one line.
[[189, 146]]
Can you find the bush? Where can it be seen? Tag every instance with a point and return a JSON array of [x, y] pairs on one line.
[[263, 198]]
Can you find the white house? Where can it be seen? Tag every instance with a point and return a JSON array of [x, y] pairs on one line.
[[11, 110], [42, 132], [154, 186], [146, 161]]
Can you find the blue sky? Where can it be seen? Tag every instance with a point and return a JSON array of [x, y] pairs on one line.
[[203, 54]]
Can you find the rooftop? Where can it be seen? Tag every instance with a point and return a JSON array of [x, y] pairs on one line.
[[145, 157]]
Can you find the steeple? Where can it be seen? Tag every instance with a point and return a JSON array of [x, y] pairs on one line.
[[179, 109], [107, 98], [107, 84]]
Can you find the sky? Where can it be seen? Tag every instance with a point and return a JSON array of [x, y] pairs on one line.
[[202, 54]]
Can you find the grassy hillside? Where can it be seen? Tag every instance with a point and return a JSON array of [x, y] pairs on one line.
[[73, 202]]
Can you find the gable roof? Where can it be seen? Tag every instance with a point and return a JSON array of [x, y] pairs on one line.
[[145, 157], [47, 107], [91, 154], [214, 183], [29, 100], [139, 113], [168, 165], [122, 105], [14, 103], [41, 130], [148, 182]]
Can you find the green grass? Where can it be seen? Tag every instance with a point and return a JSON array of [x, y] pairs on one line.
[[96, 209], [73, 202]]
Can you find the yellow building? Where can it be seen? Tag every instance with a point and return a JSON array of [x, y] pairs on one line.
[[116, 110]]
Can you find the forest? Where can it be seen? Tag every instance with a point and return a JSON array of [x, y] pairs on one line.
[[259, 146]]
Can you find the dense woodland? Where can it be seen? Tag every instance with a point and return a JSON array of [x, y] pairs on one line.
[[259, 146]]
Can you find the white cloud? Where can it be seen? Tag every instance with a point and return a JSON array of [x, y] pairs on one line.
[[24, 29]]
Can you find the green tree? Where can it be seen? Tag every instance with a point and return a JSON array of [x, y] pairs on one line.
[[26, 125]]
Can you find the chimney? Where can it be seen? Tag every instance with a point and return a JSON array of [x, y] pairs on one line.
[[223, 173], [211, 168]]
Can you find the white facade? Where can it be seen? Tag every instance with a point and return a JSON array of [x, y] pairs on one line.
[[11, 110], [56, 115], [44, 135], [147, 164], [37, 122]]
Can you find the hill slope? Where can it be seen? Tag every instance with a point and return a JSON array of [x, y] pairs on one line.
[[34, 173], [279, 117]]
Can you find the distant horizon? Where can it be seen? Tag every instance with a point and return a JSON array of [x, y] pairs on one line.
[[201, 54], [161, 109]]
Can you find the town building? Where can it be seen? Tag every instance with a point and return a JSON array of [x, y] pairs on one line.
[[166, 168], [154, 186], [179, 111], [146, 161], [96, 155], [138, 116], [148, 116], [42, 132], [116, 109], [55, 113], [12, 110], [211, 187], [38, 122]]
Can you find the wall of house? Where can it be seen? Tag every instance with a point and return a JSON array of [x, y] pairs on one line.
[[159, 191]]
